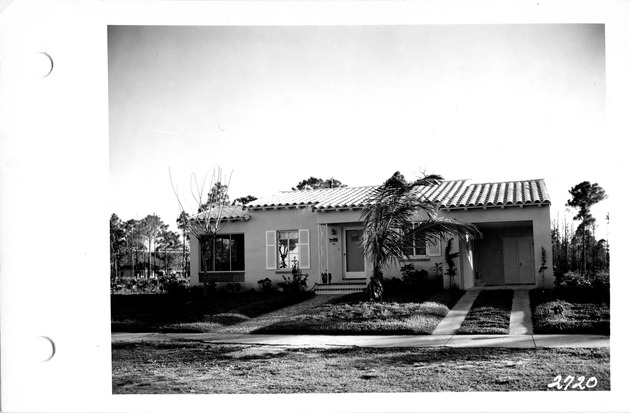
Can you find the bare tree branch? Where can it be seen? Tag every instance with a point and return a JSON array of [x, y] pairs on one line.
[[179, 202]]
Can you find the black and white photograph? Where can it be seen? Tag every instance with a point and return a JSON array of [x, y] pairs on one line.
[[390, 208], [313, 206]]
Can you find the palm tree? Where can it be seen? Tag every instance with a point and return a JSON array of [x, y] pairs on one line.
[[388, 228]]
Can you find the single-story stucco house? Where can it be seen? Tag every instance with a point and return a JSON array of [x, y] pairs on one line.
[[320, 230]]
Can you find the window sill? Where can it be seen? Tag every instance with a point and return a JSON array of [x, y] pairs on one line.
[[222, 272], [222, 276]]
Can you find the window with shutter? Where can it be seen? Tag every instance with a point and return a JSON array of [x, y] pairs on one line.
[[288, 248], [288, 251], [304, 250], [270, 240]]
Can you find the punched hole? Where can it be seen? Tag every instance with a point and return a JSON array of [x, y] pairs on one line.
[[42, 65], [44, 348]]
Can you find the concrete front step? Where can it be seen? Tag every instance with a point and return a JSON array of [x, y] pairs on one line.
[[340, 291], [346, 287]]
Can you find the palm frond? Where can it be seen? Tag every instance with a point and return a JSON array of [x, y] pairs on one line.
[[432, 230], [432, 179], [390, 215]]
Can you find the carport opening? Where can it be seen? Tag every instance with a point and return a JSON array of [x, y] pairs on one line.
[[505, 254]]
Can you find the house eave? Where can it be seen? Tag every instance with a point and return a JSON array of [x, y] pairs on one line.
[[338, 209], [327, 209], [485, 207], [233, 219]]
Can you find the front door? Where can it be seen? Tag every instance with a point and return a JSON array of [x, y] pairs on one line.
[[354, 260], [518, 262]]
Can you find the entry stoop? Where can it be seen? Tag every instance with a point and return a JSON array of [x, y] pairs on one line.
[[346, 287]]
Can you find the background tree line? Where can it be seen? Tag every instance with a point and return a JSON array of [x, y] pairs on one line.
[[146, 248], [577, 250]]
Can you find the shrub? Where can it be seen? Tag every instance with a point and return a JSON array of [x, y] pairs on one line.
[[174, 285], [416, 280], [438, 270], [601, 281], [573, 280], [412, 277], [393, 286], [265, 285], [297, 281], [136, 286], [210, 287], [196, 291], [233, 287], [451, 271]]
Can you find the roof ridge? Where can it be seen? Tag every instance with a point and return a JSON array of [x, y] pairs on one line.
[[467, 181], [325, 189], [507, 182], [358, 187]]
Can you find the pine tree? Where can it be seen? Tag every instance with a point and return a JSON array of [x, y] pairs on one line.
[[583, 197]]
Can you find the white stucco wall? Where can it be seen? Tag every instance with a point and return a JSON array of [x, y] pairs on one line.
[[292, 219], [255, 252]]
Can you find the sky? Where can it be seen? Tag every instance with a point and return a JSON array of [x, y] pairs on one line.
[[272, 105]]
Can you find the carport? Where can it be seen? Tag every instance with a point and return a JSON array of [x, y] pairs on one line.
[[505, 255]]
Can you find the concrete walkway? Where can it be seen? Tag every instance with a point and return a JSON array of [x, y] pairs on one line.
[[516, 341], [454, 318], [521, 316], [273, 317]]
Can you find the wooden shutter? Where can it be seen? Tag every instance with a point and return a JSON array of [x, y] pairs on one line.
[[270, 242], [304, 249], [434, 250]]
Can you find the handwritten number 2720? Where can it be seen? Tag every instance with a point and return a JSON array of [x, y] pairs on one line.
[[568, 381]]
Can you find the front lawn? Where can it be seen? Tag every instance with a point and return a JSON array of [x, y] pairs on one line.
[[490, 313], [193, 313], [353, 315], [570, 311], [197, 367]]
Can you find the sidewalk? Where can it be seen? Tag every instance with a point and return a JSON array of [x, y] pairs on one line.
[[514, 341]]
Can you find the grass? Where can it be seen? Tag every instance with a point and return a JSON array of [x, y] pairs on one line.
[[490, 313], [194, 314], [196, 367], [570, 311], [351, 315]]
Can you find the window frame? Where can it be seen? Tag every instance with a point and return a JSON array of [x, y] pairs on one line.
[[272, 254], [213, 262], [297, 249], [427, 249]]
